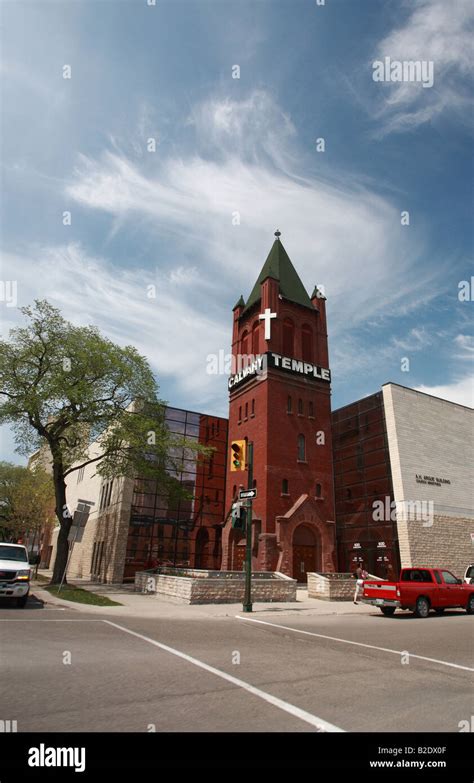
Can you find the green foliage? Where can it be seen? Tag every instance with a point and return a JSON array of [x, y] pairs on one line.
[[69, 385], [81, 596], [65, 387], [26, 499]]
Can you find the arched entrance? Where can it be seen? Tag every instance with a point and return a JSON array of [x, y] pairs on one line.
[[203, 555], [306, 552]]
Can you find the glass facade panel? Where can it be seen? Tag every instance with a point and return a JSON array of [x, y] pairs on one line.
[[163, 530]]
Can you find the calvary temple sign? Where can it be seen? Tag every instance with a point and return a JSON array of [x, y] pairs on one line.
[[274, 360]]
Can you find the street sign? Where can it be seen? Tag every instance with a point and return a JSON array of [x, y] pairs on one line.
[[247, 494]]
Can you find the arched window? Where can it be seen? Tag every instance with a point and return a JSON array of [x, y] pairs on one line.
[[211, 466], [244, 344], [254, 483], [240, 413], [301, 448], [284, 487], [310, 408], [289, 405], [288, 337], [255, 338], [307, 343], [253, 407], [300, 407], [318, 490], [246, 410]]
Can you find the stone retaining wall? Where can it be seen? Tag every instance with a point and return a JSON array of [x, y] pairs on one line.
[[332, 587], [194, 586]]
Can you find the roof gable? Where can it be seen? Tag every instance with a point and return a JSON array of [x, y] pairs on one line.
[[279, 267]]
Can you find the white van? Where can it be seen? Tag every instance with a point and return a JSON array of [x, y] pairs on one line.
[[15, 573]]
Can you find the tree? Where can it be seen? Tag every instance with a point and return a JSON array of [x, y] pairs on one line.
[[67, 386], [10, 476], [26, 500]]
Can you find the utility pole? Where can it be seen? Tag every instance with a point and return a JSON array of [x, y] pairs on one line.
[[247, 605]]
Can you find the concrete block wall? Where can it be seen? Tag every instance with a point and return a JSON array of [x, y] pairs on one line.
[[331, 587], [430, 437], [445, 544], [226, 588]]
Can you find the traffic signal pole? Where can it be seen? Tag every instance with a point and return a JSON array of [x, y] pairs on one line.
[[247, 605]]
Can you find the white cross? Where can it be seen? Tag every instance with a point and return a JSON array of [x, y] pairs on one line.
[[267, 316]]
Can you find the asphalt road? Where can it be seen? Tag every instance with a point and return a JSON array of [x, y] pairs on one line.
[[145, 674]]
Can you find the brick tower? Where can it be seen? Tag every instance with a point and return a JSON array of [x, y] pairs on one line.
[[280, 401]]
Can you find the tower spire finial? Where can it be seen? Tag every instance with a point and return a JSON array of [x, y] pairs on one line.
[[278, 234]]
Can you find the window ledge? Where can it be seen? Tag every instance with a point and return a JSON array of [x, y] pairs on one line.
[[284, 494], [302, 461], [311, 417], [289, 413], [252, 415]]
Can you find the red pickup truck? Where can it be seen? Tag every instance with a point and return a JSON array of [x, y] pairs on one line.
[[420, 589]]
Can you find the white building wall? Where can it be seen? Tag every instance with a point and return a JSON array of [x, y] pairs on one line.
[[109, 525], [431, 438]]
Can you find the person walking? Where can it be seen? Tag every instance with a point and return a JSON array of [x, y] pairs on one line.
[[360, 574]]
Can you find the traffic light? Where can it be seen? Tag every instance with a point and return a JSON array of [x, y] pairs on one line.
[[237, 455], [238, 516]]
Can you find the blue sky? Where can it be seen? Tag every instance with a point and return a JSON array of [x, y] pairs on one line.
[[246, 145]]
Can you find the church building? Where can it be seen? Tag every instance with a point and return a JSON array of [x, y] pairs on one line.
[[280, 401]]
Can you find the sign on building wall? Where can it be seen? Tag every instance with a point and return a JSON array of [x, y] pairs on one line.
[[262, 362]]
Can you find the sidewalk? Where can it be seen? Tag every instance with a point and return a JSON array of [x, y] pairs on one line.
[[141, 605]]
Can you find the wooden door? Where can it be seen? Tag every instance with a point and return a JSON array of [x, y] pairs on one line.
[[304, 561], [239, 558]]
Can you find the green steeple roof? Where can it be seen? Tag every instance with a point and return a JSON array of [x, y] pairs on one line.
[[279, 267], [240, 303]]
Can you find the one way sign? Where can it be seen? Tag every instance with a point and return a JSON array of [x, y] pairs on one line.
[[247, 494]]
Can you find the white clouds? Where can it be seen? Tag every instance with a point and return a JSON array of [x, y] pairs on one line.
[[173, 334], [337, 233], [465, 344], [461, 391], [439, 31], [252, 129], [416, 340]]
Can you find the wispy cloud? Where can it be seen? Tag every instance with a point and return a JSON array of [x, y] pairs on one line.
[[465, 346], [339, 233], [417, 339], [166, 323], [436, 31]]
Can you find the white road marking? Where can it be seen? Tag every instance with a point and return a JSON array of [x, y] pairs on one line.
[[313, 720], [357, 644], [43, 620]]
